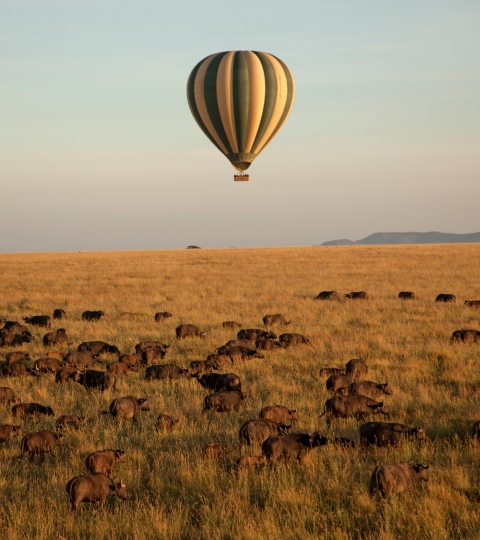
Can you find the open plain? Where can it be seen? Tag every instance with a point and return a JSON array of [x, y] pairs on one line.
[[174, 492]]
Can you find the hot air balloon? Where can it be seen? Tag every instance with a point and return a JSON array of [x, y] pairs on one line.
[[240, 100]]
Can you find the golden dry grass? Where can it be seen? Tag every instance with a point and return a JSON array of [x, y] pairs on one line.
[[175, 493]]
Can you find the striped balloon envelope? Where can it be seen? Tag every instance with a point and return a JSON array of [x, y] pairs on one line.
[[240, 100]]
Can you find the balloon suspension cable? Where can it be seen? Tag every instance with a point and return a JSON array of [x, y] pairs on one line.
[[241, 177]]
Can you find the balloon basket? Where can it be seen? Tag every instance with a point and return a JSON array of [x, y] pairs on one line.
[[241, 177]]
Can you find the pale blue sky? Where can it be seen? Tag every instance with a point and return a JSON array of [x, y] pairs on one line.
[[98, 149]]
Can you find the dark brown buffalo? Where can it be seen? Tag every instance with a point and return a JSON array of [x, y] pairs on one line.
[[8, 432], [130, 359], [331, 371], [7, 395], [356, 368], [358, 295], [59, 314], [446, 298], [121, 368], [294, 446], [267, 345], [223, 402], [127, 407], [238, 353], [48, 365], [188, 330], [151, 355], [100, 380], [337, 381], [98, 347], [406, 295], [388, 433], [165, 371], [327, 295], [55, 354], [292, 339], [9, 339], [70, 421], [16, 356], [162, 315], [165, 422], [40, 442], [17, 369], [58, 337], [215, 450], [202, 365], [139, 347], [253, 334], [255, 432], [216, 382], [467, 336], [104, 461], [239, 343], [370, 389], [476, 430], [231, 324], [81, 359], [38, 320], [31, 409], [64, 374], [15, 327], [473, 303], [219, 361], [352, 406], [92, 315], [278, 414], [396, 478], [93, 488], [277, 318]]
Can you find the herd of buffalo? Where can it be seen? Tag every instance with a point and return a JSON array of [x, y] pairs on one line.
[[352, 396]]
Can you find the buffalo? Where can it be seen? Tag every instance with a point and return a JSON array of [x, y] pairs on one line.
[[292, 339], [98, 347], [162, 347], [81, 359], [216, 382], [17, 369], [255, 432], [47, 365], [203, 365], [165, 371], [58, 337], [101, 380], [104, 461], [357, 406], [8, 432], [70, 421], [473, 303], [279, 414], [121, 368], [406, 295], [267, 345], [231, 324], [238, 353], [270, 320], [223, 402], [130, 359], [188, 330], [388, 433], [31, 409], [450, 298], [41, 442], [331, 371], [7, 395], [38, 320], [127, 407], [337, 381], [356, 368], [467, 336], [370, 389], [14, 327], [249, 344], [165, 422], [150, 355], [396, 478], [294, 446], [93, 488], [358, 295], [218, 361], [92, 315], [16, 356], [162, 315], [59, 314], [255, 333], [327, 295], [9, 339], [64, 374]]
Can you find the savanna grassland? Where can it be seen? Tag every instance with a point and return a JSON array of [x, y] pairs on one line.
[[174, 492]]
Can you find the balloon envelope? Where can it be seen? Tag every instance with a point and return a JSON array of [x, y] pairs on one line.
[[240, 100]]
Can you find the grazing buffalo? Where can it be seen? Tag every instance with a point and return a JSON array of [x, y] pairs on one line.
[[31, 409], [218, 361], [467, 336], [270, 320], [279, 414], [356, 368], [8, 432], [337, 381], [59, 314], [255, 333], [473, 303], [248, 462], [358, 295], [41, 442], [9, 339], [81, 359], [165, 422], [188, 330], [7, 395], [165, 371], [231, 324], [15, 327], [327, 295], [47, 365], [162, 315], [98, 347], [93, 488], [104, 461], [292, 339], [223, 402], [17, 369], [294, 446], [203, 365], [476, 430], [162, 347], [64, 374], [16, 356], [255, 432], [396, 478], [121, 368], [151, 355], [216, 382], [451, 298], [58, 337], [127, 407], [215, 450], [267, 345], [388, 433], [101, 380], [130, 359], [406, 295], [55, 354], [347, 406], [70, 421], [370, 389], [331, 371], [238, 353], [38, 320], [92, 315], [239, 343]]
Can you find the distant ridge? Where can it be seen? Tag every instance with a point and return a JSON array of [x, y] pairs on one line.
[[408, 238]]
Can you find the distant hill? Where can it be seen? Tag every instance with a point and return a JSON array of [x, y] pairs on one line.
[[408, 238]]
